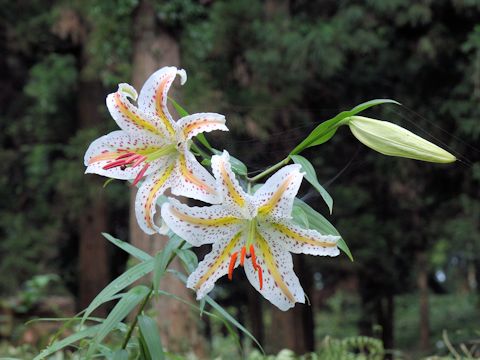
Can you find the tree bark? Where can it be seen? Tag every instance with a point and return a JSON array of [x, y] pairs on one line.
[[422, 283], [93, 271], [154, 47]]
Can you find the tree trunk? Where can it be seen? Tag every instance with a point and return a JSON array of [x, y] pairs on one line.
[[153, 48], [93, 255], [422, 283], [293, 329]]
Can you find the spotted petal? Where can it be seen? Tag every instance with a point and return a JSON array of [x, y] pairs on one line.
[[214, 265], [228, 186], [200, 225], [192, 179], [148, 193], [280, 284], [195, 124], [128, 117], [298, 240], [107, 148], [153, 97], [275, 198]]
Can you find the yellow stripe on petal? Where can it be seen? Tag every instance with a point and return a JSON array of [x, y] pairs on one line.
[[159, 100], [223, 257], [153, 192], [273, 201], [301, 238], [135, 118], [186, 173], [272, 268], [206, 222], [232, 191]]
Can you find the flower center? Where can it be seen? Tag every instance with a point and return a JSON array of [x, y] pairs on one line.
[[135, 158], [247, 254]]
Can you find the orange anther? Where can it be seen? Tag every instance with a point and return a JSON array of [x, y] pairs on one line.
[[233, 260], [260, 276], [254, 258], [242, 255]]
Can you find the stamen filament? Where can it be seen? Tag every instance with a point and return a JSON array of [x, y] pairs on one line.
[[233, 260], [140, 174]]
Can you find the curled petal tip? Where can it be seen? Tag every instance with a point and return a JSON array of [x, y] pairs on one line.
[[128, 90], [183, 76]]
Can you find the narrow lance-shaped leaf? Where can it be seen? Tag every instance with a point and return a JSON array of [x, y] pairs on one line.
[[59, 345], [124, 306], [132, 250], [162, 258], [151, 336], [324, 132], [311, 177], [120, 283], [318, 222], [182, 112]]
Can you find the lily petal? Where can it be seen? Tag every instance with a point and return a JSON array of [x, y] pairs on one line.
[[108, 148], [153, 96], [129, 117], [192, 179], [195, 124], [214, 265], [275, 198], [229, 187], [200, 225], [148, 193], [280, 284], [298, 240]]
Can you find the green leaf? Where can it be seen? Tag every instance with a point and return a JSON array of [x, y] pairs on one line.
[[132, 250], [300, 217], [120, 283], [178, 108], [59, 345], [188, 258], [324, 132], [163, 257], [238, 167], [318, 222], [151, 336], [311, 177], [124, 306], [182, 112], [121, 354]]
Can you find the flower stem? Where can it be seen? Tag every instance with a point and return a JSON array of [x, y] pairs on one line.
[[145, 302], [269, 170]]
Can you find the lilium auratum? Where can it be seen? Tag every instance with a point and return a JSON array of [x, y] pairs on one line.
[[151, 145], [254, 231]]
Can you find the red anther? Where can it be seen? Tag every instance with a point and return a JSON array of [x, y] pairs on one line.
[[233, 260], [140, 174], [138, 161], [242, 255], [254, 258], [114, 164], [128, 154], [260, 276]]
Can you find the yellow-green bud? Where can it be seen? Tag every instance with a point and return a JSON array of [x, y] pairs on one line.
[[393, 140]]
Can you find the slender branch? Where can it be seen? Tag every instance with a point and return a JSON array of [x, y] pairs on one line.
[[145, 302], [269, 170]]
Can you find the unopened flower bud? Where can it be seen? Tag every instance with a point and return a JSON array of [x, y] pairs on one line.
[[393, 140]]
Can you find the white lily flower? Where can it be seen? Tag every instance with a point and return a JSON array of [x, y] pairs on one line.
[[256, 227], [151, 145]]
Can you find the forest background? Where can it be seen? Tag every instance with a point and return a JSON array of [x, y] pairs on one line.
[[275, 68]]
